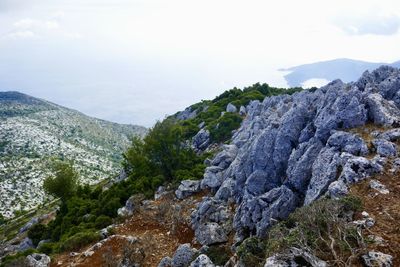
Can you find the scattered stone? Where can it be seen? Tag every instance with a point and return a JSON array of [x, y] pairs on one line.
[[378, 186], [377, 259], [378, 240]]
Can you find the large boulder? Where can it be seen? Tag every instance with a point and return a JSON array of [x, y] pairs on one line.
[[210, 233], [129, 207], [38, 260], [187, 188], [212, 178], [231, 108]]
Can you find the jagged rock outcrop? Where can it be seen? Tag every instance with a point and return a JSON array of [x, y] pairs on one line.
[[291, 150]]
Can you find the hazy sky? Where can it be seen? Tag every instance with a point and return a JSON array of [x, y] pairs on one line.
[[136, 61]]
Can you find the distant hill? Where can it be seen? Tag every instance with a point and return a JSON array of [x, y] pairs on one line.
[[345, 69], [32, 131]]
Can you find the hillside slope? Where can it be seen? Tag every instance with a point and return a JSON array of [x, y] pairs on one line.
[[32, 131]]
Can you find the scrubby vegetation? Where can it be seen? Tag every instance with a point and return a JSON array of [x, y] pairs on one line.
[[161, 157], [209, 112], [322, 228]]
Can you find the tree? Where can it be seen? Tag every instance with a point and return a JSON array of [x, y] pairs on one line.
[[63, 183], [2, 219]]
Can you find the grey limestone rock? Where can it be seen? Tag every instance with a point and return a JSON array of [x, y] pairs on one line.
[[385, 148], [201, 140], [128, 209], [165, 262], [231, 108], [259, 213], [377, 259], [348, 142], [382, 111], [38, 260], [183, 255], [294, 257], [202, 261], [211, 233], [187, 188]]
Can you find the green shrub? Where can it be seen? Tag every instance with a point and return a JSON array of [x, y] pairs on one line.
[[219, 255], [252, 252], [103, 221], [79, 240], [48, 248], [37, 233]]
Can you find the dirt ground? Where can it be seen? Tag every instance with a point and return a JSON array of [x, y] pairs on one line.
[[385, 209], [156, 238]]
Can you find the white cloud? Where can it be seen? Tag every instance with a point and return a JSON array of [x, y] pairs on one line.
[[375, 24], [24, 34]]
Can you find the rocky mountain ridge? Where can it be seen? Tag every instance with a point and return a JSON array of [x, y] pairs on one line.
[[33, 131], [291, 150]]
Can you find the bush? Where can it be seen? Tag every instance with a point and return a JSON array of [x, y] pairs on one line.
[[322, 228], [37, 233], [63, 183], [219, 255], [79, 240], [103, 221], [48, 248], [252, 252]]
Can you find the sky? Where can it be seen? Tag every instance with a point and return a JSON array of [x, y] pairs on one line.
[[135, 61]]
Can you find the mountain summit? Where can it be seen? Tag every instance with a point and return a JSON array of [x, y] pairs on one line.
[[33, 131]]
